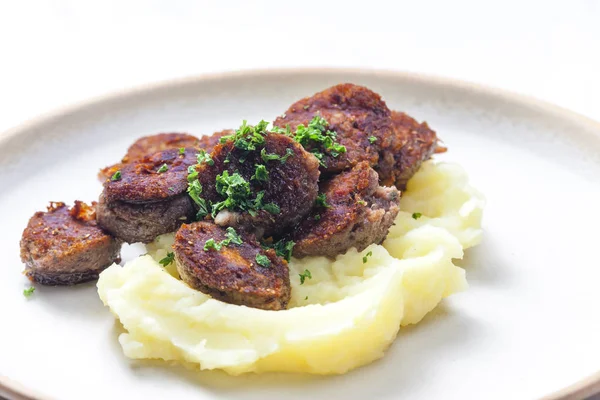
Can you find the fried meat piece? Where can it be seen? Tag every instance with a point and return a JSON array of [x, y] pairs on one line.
[[240, 272], [358, 212], [358, 116], [149, 198], [65, 246], [148, 145], [412, 144], [271, 187]]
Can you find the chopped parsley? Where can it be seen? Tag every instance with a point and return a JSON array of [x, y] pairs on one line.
[[167, 260], [321, 201], [366, 257], [182, 150], [316, 132], [261, 174], [417, 215], [317, 217], [29, 291], [284, 248], [211, 244], [316, 136], [194, 189], [271, 208], [236, 191], [116, 176], [232, 237], [304, 275], [362, 202], [248, 137], [203, 156], [372, 139], [163, 168], [271, 157], [263, 260]]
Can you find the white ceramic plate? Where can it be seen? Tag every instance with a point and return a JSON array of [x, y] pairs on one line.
[[528, 326]]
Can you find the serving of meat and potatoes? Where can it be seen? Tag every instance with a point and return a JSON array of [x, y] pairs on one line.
[[300, 245]]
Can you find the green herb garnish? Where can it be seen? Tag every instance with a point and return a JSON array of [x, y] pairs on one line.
[[167, 260], [317, 217], [194, 189], [271, 156], [182, 150], [372, 139], [304, 275], [203, 156], [236, 191], [232, 237], [284, 248], [29, 291], [261, 174], [417, 215], [116, 176], [366, 257], [163, 168], [211, 244], [271, 208], [316, 132], [263, 260], [321, 201], [362, 202], [248, 137]]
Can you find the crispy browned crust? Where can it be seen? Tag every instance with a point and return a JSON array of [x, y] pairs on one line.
[[209, 142], [232, 274], [412, 144], [360, 213], [292, 185], [355, 113], [142, 183], [148, 145], [66, 247]]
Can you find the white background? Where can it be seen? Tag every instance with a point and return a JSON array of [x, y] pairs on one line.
[[54, 53]]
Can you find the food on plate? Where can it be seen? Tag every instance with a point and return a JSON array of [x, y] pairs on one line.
[[353, 211], [344, 316], [231, 266], [303, 246], [393, 143], [257, 180], [148, 145], [356, 116], [148, 197], [65, 246], [411, 144]]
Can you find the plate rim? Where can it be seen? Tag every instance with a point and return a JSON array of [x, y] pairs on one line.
[[579, 389]]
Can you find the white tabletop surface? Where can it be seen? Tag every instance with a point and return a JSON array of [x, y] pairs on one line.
[[54, 53]]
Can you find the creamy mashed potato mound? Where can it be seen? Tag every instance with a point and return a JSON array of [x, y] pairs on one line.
[[345, 316]]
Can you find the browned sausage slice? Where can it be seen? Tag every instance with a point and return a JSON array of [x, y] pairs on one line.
[[239, 272], [65, 246]]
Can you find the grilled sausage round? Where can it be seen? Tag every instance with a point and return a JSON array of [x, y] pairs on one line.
[[358, 212], [238, 272], [65, 246], [149, 198]]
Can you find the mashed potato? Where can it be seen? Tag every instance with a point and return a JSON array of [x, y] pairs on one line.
[[345, 316]]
